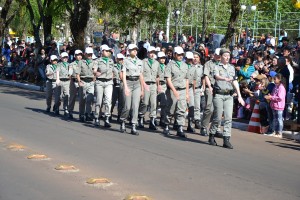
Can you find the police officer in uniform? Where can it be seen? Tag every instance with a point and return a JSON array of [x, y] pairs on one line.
[[103, 71], [198, 88], [191, 74], [162, 87], [63, 80], [177, 92], [86, 82], [209, 81], [74, 87], [150, 74], [51, 81], [118, 85], [133, 88], [225, 86]]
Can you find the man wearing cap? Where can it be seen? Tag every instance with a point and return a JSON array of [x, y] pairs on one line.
[[162, 87], [74, 87], [51, 81], [103, 71], [150, 74], [209, 81], [133, 88], [198, 85], [86, 82], [63, 83], [177, 93], [118, 85], [191, 74], [225, 86]]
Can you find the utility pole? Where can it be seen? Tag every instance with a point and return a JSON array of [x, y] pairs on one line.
[[204, 21]]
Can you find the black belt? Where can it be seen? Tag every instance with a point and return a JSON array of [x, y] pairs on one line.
[[198, 87], [190, 85], [179, 89], [103, 79], [224, 92], [162, 82], [64, 79], [150, 83], [87, 79], [132, 78], [51, 80]]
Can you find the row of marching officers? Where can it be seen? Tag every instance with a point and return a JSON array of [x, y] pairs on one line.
[[142, 85]]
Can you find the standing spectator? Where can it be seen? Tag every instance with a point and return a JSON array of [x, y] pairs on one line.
[[41, 64], [277, 98], [6, 52]]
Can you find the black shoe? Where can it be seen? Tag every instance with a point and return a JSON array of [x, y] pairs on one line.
[[119, 119], [175, 125], [155, 122], [71, 116], [48, 109], [54, 108], [122, 127], [162, 123], [203, 132], [133, 130], [197, 124], [56, 112], [141, 122], [226, 143], [66, 113], [82, 118], [190, 129], [219, 134], [106, 122], [180, 132], [97, 122], [211, 140], [110, 118], [88, 117], [166, 131], [152, 125]]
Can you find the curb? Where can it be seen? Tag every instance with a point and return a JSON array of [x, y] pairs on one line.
[[23, 85]]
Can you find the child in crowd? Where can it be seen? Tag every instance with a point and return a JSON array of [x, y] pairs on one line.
[[277, 103]]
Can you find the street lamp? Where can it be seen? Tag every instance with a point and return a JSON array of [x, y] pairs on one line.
[[248, 9], [176, 14]]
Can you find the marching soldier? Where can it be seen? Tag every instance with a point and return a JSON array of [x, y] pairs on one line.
[[51, 82], [118, 85], [162, 87], [133, 88], [177, 92], [74, 87], [198, 85], [63, 80], [103, 71], [86, 82], [150, 74], [209, 81], [191, 74], [225, 86]]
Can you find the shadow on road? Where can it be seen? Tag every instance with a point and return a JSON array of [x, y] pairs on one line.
[[285, 145], [34, 95]]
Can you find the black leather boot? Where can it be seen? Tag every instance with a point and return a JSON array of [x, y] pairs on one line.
[[88, 117], [226, 143], [175, 125], [122, 127], [133, 130], [190, 128], [211, 140], [141, 122], [162, 122], [180, 132], [197, 124], [219, 134], [203, 132], [152, 125], [166, 131], [106, 122]]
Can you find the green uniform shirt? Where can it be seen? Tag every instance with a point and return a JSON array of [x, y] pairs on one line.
[[150, 71], [105, 66], [133, 67], [227, 72], [178, 74]]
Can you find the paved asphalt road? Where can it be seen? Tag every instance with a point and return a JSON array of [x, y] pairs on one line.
[[259, 167]]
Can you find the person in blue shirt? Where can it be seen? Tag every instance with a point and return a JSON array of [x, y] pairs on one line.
[[244, 71]]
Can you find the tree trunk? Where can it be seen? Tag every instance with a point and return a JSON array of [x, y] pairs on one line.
[[47, 23], [235, 10], [78, 23], [3, 19], [38, 43]]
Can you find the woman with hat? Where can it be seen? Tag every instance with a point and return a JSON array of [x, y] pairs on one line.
[[133, 88]]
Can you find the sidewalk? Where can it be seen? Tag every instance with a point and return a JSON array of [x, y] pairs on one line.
[[237, 124]]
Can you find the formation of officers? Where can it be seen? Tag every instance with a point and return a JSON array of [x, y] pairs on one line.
[[144, 85]]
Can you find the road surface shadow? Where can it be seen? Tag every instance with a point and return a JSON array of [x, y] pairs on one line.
[[34, 95], [285, 145]]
